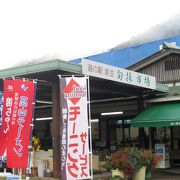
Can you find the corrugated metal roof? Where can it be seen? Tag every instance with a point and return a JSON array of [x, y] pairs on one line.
[[128, 56]]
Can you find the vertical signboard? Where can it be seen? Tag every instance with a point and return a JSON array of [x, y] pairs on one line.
[[6, 114], [75, 150], [17, 113], [2, 158], [162, 150]]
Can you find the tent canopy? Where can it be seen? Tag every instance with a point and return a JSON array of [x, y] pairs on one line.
[[159, 115]]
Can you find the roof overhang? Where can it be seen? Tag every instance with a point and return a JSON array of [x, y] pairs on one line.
[[49, 70], [102, 90]]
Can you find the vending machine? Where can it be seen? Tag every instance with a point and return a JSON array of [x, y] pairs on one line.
[[163, 151]]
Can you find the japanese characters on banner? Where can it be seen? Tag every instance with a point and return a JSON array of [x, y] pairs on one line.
[[75, 150], [2, 147], [1, 107], [17, 115], [6, 117]]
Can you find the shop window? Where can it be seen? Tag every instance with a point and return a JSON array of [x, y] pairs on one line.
[[95, 129], [43, 132], [176, 137], [123, 132], [126, 121], [162, 135]]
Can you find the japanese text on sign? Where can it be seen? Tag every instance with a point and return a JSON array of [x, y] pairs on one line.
[[75, 162], [22, 112], [105, 71], [1, 107], [77, 147]]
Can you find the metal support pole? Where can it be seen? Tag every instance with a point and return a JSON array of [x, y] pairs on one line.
[[89, 122], [30, 147], [141, 130]]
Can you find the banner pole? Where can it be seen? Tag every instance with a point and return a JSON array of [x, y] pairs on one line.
[[20, 173], [32, 124], [89, 119]]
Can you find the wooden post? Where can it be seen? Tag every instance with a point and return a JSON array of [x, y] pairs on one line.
[[108, 133], [56, 128], [172, 138], [123, 133], [150, 138], [141, 130]]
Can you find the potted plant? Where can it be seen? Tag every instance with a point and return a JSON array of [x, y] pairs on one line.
[[150, 160], [35, 147], [125, 162]]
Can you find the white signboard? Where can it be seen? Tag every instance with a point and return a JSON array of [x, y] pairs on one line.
[[113, 73], [75, 161], [162, 150]]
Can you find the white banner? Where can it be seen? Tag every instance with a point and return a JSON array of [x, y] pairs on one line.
[[75, 129]]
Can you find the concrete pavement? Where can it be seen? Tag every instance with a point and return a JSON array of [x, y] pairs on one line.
[[162, 175], [168, 174]]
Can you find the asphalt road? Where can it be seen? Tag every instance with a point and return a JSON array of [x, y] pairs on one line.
[[158, 175], [165, 176]]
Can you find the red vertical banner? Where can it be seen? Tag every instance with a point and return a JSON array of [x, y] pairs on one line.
[[6, 114], [18, 139]]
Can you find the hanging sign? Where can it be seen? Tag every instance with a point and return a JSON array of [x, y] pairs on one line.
[[75, 152], [121, 75], [6, 115], [1, 107], [19, 101], [2, 158]]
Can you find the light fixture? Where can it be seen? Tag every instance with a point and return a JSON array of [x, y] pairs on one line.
[[94, 120], [43, 102], [111, 113], [44, 119]]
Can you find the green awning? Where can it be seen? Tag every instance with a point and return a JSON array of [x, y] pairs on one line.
[[159, 115]]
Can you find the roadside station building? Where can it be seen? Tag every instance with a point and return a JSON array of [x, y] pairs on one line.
[[145, 108], [106, 96], [160, 116]]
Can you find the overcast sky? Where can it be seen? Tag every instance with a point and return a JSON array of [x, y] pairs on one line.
[[68, 29]]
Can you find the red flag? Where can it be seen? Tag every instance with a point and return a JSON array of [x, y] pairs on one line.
[[19, 132], [6, 114]]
